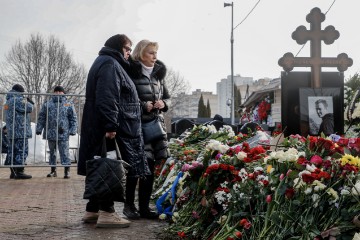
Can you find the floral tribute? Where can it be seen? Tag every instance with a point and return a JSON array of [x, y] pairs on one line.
[[226, 186], [264, 110]]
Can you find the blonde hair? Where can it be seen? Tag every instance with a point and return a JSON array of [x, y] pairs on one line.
[[140, 48]]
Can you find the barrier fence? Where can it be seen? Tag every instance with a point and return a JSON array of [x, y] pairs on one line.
[[38, 154]]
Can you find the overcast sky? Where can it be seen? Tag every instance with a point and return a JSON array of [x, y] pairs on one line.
[[194, 35]]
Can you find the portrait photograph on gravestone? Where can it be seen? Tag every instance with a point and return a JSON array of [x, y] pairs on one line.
[[297, 120], [320, 111]]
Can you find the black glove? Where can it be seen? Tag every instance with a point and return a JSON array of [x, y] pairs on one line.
[[30, 101], [38, 133]]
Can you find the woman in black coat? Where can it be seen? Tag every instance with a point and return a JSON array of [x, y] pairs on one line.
[[111, 109], [148, 75]]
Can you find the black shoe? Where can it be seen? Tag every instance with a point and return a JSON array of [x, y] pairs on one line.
[[131, 212], [67, 172], [12, 174], [52, 174], [149, 214], [22, 175]]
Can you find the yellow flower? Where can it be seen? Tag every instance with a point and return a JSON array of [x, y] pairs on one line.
[[349, 159], [269, 168]]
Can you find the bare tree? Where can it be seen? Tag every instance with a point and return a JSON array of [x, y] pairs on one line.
[[40, 64], [176, 85]]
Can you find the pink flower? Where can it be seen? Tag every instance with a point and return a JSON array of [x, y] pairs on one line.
[[186, 167], [316, 159], [268, 198]]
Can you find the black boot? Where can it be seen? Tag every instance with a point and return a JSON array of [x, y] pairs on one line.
[[19, 174], [130, 210], [145, 190], [52, 173], [13, 173], [66, 172]]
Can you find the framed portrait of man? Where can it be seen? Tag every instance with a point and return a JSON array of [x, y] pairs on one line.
[[320, 111], [294, 122]]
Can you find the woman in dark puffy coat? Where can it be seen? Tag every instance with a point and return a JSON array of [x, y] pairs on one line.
[[148, 75], [111, 109]]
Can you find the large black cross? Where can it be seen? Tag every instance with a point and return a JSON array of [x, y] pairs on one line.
[[315, 61]]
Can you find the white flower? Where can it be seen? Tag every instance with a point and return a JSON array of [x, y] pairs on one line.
[[308, 190], [333, 193], [162, 216], [243, 174], [241, 155], [212, 129], [310, 168], [344, 192], [216, 145], [176, 214], [315, 197], [318, 185], [356, 189], [304, 172], [298, 183]]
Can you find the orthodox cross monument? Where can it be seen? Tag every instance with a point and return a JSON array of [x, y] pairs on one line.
[[301, 90], [315, 35]]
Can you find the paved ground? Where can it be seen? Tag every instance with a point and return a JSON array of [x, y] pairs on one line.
[[52, 208]]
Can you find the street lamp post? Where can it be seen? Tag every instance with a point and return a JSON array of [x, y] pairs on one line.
[[232, 113]]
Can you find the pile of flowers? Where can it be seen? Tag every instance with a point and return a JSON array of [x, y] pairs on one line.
[[264, 110], [352, 111], [233, 187]]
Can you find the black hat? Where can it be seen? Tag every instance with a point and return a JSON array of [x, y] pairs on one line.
[[114, 42], [18, 88], [59, 89]]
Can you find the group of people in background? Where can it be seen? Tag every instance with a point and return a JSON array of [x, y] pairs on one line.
[[57, 118], [123, 91]]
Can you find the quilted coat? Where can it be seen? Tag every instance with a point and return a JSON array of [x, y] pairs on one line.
[[112, 104], [17, 116], [151, 89], [58, 119]]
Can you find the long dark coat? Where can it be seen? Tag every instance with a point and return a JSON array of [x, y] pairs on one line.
[[111, 104]]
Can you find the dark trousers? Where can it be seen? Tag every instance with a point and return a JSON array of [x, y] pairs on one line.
[[94, 205], [146, 187]]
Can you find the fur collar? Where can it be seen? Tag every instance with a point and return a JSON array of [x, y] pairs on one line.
[[159, 71]]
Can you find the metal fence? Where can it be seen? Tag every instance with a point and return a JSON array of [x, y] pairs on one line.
[[38, 147]]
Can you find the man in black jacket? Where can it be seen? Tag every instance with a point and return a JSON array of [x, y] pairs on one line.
[[327, 124]]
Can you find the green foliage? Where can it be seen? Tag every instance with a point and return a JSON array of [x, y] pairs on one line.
[[208, 109], [353, 82], [237, 101], [202, 110]]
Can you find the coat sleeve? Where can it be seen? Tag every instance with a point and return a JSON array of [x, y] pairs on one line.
[[166, 98], [107, 96], [72, 117]]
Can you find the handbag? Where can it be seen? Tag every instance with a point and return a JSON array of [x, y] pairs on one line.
[[105, 177], [153, 130]]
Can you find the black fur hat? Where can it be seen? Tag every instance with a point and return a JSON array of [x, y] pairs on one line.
[[18, 88], [59, 89]]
